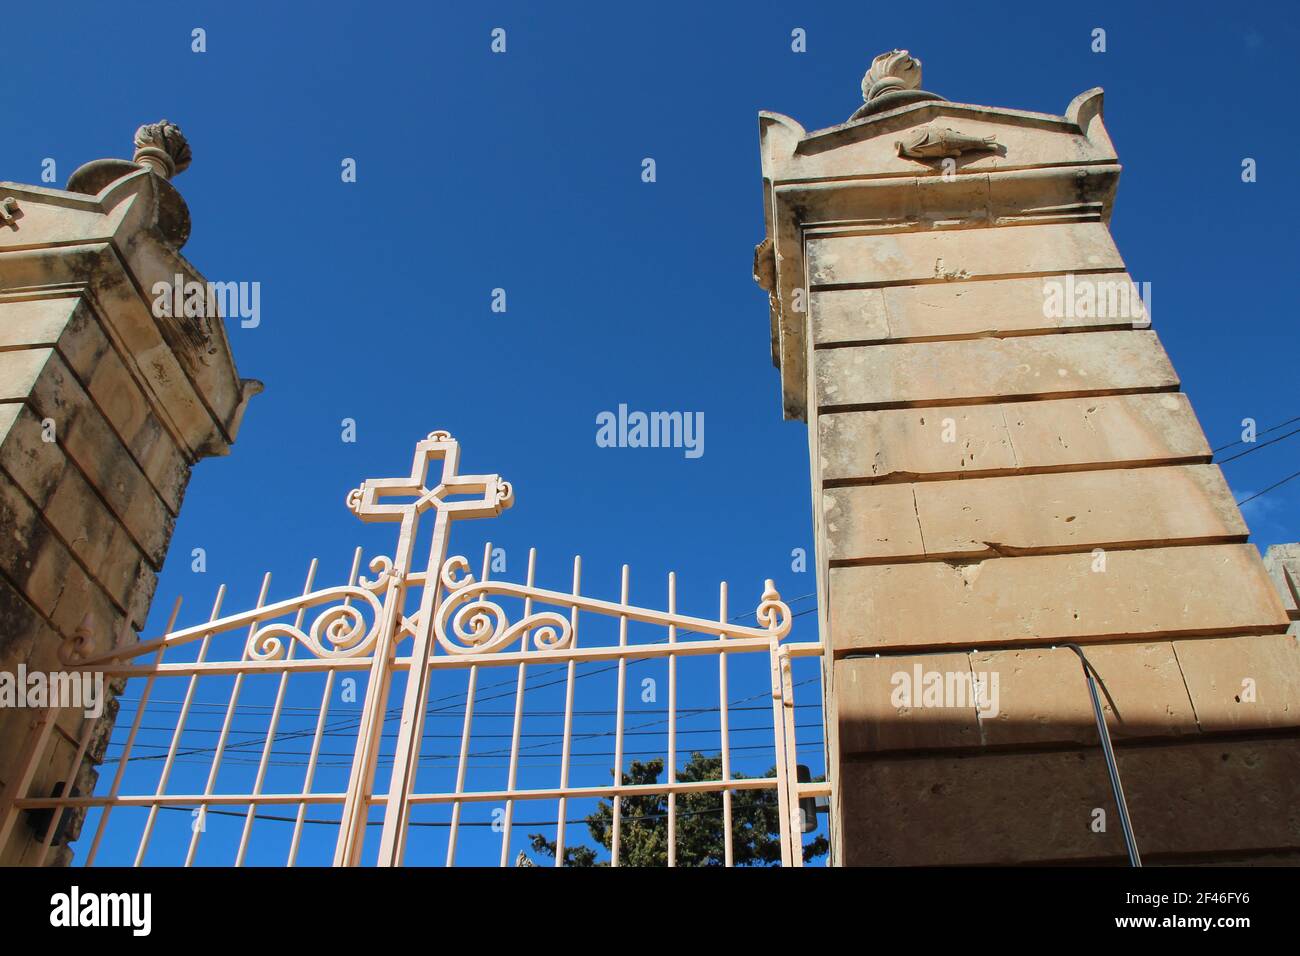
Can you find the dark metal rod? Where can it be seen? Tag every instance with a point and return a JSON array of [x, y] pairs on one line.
[[1130, 842]]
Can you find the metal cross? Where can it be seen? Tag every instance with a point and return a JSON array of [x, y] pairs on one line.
[[493, 495], [489, 496]]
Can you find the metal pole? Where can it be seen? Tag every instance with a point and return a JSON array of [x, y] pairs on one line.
[[1130, 842]]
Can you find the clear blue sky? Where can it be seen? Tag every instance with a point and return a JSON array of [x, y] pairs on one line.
[[522, 171]]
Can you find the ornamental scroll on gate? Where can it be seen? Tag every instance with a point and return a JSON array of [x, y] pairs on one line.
[[453, 621]]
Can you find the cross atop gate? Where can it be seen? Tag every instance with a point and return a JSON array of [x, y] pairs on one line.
[[366, 502], [494, 494]]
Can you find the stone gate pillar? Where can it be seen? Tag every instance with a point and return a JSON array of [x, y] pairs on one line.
[[107, 399], [1003, 463]]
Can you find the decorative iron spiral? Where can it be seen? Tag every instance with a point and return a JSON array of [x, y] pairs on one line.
[[480, 626], [338, 631]]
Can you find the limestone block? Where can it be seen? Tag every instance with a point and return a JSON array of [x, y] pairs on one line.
[[1185, 799], [82, 596], [19, 371], [67, 324], [34, 322], [1031, 513], [1283, 564], [970, 809], [944, 310], [20, 628], [1132, 429], [49, 213], [70, 325], [34, 465], [8, 415], [850, 315], [78, 517], [956, 255], [1031, 696], [1043, 694], [142, 592], [871, 521], [980, 370], [897, 444], [873, 717], [31, 556], [102, 458], [1243, 683], [122, 402], [1112, 430], [1140, 594], [162, 461], [194, 393]]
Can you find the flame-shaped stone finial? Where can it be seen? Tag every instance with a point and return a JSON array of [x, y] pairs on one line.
[[893, 80], [163, 148], [895, 70]]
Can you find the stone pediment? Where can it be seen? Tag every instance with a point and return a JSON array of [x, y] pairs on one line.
[[922, 165], [870, 145]]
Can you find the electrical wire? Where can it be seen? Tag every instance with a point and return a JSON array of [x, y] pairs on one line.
[[1242, 441], [1278, 484]]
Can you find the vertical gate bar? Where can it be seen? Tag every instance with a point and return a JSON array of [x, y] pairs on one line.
[[728, 848], [520, 686], [410, 730], [220, 752], [466, 733], [361, 778], [274, 724], [672, 723], [568, 719], [778, 735], [791, 756], [370, 726], [125, 756], [37, 739], [309, 777], [615, 846], [83, 743], [56, 812], [176, 734]]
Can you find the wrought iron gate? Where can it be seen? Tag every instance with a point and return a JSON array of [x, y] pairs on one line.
[[407, 629]]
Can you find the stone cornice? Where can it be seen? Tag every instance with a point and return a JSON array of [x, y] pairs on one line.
[[112, 249], [856, 178]]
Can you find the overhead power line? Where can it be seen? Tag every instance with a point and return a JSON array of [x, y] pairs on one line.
[[1258, 447], [1278, 484], [1242, 441]]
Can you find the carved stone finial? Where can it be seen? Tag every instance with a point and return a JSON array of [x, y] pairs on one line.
[[163, 148], [895, 70], [894, 80]]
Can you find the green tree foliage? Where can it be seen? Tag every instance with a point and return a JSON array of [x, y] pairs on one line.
[[644, 823]]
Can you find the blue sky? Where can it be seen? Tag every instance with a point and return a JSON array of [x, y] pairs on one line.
[[521, 171]]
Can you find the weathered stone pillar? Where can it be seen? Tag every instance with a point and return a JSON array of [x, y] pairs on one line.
[[105, 405], [1002, 463], [1283, 564]]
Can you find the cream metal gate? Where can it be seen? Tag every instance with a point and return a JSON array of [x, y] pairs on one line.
[[400, 629]]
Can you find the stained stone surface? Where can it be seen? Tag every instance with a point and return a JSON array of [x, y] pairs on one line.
[[105, 409], [1002, 462]]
